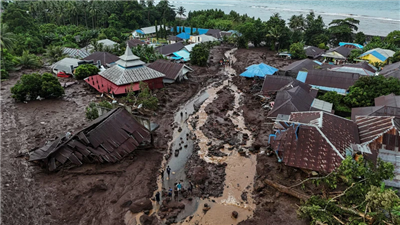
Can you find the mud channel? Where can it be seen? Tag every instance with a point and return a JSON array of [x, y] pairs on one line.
[[228, 172]]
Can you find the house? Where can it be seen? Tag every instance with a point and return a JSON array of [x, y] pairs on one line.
[[105, 42], [313, 52], [201, 38], [302, 65], [259, 70], [296, 99], [68, 65], [183, 36], [134, 42], [350, 69], [146, 31], [107, 139], [174, 39], [214, 33], [391, 70], [273, 84], [314, 141], [377, 55], [329, 80], [188, 30], [379, 138], [363, 65], [189, 48], [181, 55], [339, 53], [106, 59], [173, 71], [351, 45], [75, 53], [126, 76], [167, 50], [388, 105]]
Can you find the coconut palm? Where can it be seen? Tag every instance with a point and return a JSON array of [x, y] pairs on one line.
[[274, 33], [28, 60], [54, 54], [297, 23], [7, 39], [181, 11]]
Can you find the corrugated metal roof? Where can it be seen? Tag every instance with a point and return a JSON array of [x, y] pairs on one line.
[[394, 158], [388, 100], [332, 79], [391, 69], [134, 42], [65, 65], [292, 100], [75, 53], [170, 69], [107, 139], [304, 65], [120, 76], [373, 127], [313, 52], [169, 49], [321, 105], [107, 42], [379, 53], [189, 48], [182, 54], [315, 141], [214, 32], [345, 52], [352, 44], [104, 57], [347, 69]]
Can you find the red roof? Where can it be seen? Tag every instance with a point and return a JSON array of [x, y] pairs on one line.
[[102, 85]]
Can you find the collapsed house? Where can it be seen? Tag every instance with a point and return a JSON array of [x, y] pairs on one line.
[[107, 139], [319, 141], [173, 71]]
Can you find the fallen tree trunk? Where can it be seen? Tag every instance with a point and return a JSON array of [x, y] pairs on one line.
[[287, 190]]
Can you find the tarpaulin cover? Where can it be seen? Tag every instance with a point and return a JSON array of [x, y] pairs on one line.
[[259, 70]]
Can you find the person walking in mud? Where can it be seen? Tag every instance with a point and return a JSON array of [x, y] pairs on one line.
[[190, 188], [170, 192], [168, 171], [158, 197], [162, 174], [176, 192], [179, 186]]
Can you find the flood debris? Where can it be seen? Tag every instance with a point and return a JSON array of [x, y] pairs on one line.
[[109, 138]]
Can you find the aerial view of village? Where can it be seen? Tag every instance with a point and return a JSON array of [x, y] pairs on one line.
[[208, 112]]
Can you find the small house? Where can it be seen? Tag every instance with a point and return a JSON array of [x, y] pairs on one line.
[[168, 50], [313, 52], [146, 31], [214, 33], [173, 71], [201, 38], [134, 42], [338, 54], [174, 39], [68, 65], [106, 59], [377, 55], [75, 53], [301, 65]]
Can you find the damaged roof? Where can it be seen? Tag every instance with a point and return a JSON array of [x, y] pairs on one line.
[[109, 138], [313, 52], [372, 127], [170, 69], [315, 140], [276, 83]]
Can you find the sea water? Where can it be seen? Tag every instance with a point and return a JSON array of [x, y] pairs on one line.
[[377, 17]]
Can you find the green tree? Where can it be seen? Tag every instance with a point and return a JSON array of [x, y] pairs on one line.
[[181, 11], [199, 55], [396, 57], [315, 32], [393, 38], [297, 51], [8, 63], [33, 85], [297, 23], [92, 112], [7, 38], [354, 54], [360, 38], [337, 100], [54, 53], [28, 60], [86, 70], [146, 98], [342, 30], [147, 53]]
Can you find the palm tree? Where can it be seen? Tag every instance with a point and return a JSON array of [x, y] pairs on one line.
[[54, 54], [181, 11], [7, 39], [274, 33], [297, 23], [28, 60]]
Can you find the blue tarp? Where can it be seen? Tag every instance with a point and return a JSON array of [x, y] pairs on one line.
[[182, 54], [184, 36], [354, 44], [139, 31], [259, 70], [187, 30], [318, 62], [338, 90], [302, 76]]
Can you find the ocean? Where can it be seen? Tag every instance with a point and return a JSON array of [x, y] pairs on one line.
[[376, 17]]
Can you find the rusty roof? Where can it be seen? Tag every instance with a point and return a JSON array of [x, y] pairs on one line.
[[109, 138], [104, 57], [332, 79], [170, 69], [315, 140], [372, 127], [134, 42]]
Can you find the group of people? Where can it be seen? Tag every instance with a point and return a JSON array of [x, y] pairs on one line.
[[226, 62], [178, 188]]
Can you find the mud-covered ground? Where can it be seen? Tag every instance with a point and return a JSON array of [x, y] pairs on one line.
[[91, 194]]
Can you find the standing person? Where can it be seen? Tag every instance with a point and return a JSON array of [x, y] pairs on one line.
[[158, 197], [179, 186], [190, 188], [176, 194], [162, 174], [170, 192], [168, 171]]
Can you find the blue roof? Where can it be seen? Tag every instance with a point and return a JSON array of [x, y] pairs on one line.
[[184, 36], [318, 62], [139, 31], [187, 30], [259, 70], [376, 54], [302, 76], [338, 90], [182, 54], [354, 44]]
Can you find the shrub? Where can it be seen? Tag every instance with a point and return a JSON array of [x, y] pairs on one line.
[[297, 50], [199, 55], [28, 60], [33, 85], [105, 104], [4, 74], [146, 98], [86, 70], [92, 112]]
